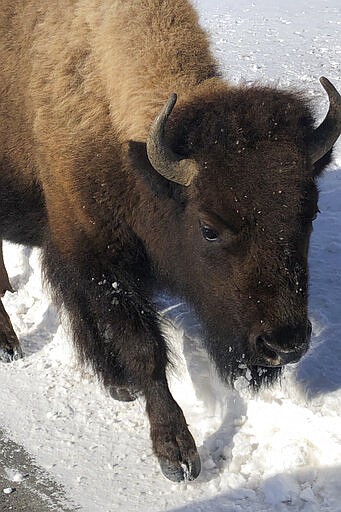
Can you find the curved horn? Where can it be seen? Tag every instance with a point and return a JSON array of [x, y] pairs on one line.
[[170, 165], [325, 136]]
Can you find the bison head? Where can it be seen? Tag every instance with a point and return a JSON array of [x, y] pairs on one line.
[[235, 169]]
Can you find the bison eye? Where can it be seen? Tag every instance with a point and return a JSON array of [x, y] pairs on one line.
[[209, 234]]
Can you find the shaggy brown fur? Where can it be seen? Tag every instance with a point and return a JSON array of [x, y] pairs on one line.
[[81, 82]]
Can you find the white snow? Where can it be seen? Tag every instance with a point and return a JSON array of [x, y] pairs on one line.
[[8, 490], [14, 476], [278, 451]]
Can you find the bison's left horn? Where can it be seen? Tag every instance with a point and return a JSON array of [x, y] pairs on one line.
[[325, 136], [170, 165]]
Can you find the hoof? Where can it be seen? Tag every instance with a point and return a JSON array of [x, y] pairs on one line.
[[182, 471], [10, 349], [8, 355], [122, 393]]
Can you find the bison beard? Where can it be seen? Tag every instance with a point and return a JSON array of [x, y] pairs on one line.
[[235, 360]]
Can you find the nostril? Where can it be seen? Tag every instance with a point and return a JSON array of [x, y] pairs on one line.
[[309, 329], [265, 348]]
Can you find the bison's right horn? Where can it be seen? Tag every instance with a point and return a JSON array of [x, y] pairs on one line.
[[170, 165], [325, 136]]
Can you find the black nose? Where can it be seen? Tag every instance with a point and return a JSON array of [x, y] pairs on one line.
[[283, 345]]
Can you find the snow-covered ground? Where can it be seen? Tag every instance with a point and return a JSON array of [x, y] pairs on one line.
[[278, 451]]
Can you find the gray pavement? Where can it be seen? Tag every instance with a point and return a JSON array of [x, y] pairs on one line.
[[37, 492]]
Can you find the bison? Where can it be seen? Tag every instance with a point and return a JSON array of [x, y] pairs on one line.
[[129, 190]]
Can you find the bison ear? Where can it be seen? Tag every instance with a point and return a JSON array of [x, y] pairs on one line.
[[139, 162]]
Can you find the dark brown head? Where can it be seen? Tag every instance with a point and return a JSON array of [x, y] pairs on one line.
[[240, 167]]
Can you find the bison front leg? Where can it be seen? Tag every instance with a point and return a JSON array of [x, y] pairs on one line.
[[116, 328], [9, 344], [142, 352], [173, 444]]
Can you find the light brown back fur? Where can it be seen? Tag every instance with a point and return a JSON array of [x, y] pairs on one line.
[[67, 66]]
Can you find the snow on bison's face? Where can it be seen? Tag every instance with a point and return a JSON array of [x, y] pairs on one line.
[[245, 198]]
